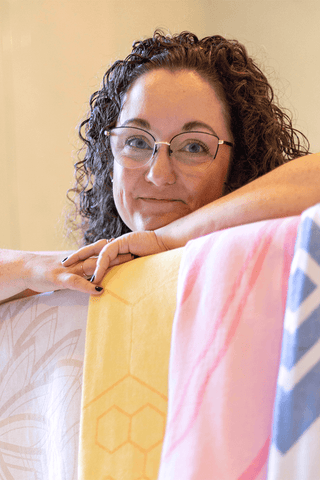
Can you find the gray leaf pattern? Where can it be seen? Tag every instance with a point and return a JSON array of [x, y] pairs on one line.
[[42, 340]]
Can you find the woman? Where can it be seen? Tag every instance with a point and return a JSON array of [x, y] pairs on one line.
[[183, 139]]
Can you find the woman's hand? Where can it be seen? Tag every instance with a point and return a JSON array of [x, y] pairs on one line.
[[107, 253], [27, 273], [45, 272]]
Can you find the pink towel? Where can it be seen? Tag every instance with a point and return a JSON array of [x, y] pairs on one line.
[[225, 352]]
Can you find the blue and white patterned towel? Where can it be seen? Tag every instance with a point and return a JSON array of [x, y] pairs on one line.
[[295, 448]]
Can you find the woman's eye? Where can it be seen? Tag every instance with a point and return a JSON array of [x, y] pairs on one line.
[[138, 142], [195, 147]]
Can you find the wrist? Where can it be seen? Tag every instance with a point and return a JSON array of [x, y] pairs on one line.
[[172, 236], [14, 273]]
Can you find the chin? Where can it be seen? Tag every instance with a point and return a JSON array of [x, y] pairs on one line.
[[153, 223]]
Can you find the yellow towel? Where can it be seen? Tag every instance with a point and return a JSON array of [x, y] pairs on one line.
[[124, 399]]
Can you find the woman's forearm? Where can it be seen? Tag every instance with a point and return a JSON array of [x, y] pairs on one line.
[[285, 191], [15, 274], [12, 273]]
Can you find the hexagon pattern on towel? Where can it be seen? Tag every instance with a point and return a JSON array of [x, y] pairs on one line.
[[126, 369]]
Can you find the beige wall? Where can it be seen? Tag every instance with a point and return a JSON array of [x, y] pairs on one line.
[[53, 55]]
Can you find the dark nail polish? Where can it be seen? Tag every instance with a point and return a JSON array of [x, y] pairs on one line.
[[99, 289], [92, 278], [64, 260]]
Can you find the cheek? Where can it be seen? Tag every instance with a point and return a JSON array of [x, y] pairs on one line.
[[119, 189], [118, 198], [206, 193], [123, 191], [206, 187]]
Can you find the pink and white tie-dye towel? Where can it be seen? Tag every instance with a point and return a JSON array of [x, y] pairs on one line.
[[225, 352]]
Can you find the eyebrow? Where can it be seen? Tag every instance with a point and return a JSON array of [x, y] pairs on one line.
[[137, 121], [140, 122], [196, 124]]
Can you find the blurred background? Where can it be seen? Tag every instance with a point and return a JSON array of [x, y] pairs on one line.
[[53, 54]]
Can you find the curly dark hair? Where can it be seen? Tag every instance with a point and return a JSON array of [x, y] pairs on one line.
[[262, 133]]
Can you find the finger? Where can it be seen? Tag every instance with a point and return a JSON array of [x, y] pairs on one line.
[[85, 252], [108, 254], [86, 268], [135, 243], [76, 282], [121, 259]]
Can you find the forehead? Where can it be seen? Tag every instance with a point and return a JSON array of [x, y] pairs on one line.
[[167, 100]]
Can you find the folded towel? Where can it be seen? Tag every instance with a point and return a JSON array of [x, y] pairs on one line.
[[294, 454], [126, 368], [225, 353]]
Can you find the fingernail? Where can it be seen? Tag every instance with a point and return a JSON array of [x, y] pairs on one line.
[[64, 260], [92, 278], [99, 289]]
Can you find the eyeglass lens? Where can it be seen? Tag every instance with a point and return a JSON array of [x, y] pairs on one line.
[[133, 148]]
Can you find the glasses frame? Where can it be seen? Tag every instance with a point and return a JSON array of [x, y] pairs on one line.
[[107, 132]]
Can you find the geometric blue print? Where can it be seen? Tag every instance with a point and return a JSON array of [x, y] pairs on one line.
[[296, 420], [299, 288], [296, 409], [296, 344], [310, 238]]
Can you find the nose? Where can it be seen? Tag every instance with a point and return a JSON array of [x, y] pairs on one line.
[[161, 171]]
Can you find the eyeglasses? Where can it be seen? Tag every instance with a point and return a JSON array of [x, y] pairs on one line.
[[134, 147]]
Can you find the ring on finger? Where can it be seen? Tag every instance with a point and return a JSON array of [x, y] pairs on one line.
[[83, 272]]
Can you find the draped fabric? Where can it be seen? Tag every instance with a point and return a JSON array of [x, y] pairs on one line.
[[42, 342], [294, 453], [125, 386], [225, 352]]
